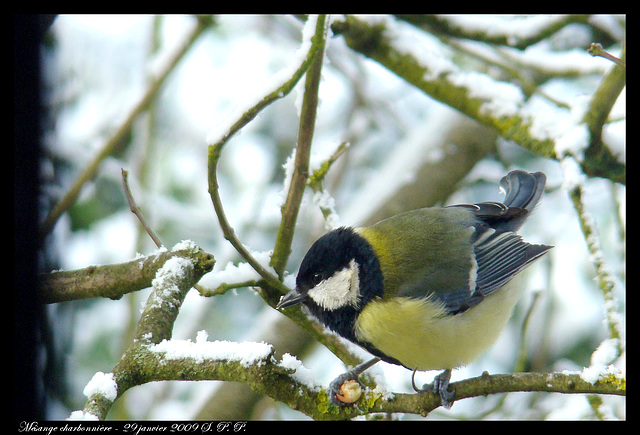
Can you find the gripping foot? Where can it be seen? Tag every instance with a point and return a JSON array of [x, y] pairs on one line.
[[440, 385]]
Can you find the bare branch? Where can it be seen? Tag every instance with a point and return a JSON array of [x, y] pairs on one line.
[[595, 49], [136, 210], [298, 183], [170, 286], [113, 280]]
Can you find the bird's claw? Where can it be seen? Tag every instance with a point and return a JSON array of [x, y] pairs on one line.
[[440, 385]]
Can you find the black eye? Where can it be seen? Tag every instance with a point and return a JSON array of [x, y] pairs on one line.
[[317, 278]]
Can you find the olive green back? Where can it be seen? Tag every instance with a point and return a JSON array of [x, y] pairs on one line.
[[423, 250]]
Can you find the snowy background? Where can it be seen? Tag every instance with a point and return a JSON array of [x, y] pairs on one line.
[[96, 67]]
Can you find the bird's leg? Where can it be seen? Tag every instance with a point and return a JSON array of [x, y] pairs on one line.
[[440, 385], [334, 386]]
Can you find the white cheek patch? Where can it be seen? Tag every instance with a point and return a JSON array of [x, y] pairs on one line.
[[339, 290]]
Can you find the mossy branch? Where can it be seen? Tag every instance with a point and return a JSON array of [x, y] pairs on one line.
[[147, 363], [170, 286], [114, 280], [443, 25], [606, 281], [444, 82], [376, 42], [599, 160]]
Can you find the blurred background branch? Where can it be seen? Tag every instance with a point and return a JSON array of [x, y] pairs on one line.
[[124, 128]]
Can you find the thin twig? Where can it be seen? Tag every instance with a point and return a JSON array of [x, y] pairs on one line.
[[315, 183], [280, 91], [291, 207], [227, 230], [215, 150], [595, 49], [136, 210], [316, 178], [225, 287], [521, 359], [272, 288]]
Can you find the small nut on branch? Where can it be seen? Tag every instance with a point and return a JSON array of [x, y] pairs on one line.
[[350, 392]]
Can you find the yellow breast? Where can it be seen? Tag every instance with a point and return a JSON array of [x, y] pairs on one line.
[[419, 334]]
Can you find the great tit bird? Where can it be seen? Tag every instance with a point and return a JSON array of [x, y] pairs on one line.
[[425, 289]]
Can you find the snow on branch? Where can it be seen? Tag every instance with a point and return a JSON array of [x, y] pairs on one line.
[[423, 61], [514, 31], [279, 86], [313, 37], [115, 280]]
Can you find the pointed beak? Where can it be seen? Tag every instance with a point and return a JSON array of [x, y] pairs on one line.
[[290, 299]]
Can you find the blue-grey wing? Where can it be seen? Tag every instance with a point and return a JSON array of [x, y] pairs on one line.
[[498, 256], [499, 253]]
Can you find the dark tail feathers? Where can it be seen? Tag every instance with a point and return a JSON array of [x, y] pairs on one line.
[[523, 189]]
